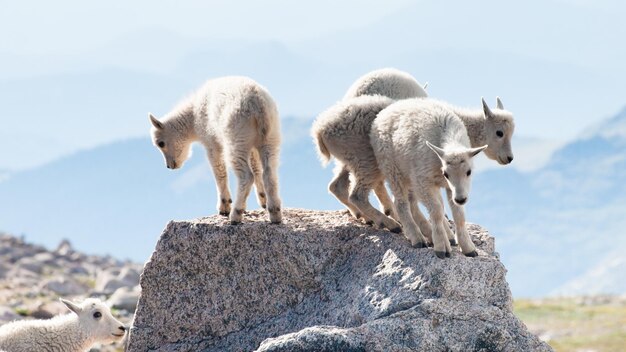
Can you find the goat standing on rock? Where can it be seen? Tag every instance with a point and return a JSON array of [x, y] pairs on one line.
[[343, 132], [401, 137], [236, 118]]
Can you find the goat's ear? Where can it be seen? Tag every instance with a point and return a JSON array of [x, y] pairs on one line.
[[499, 104], [440, 153], [474, 151], [425, 86], [72, 306], [486, 109], [155, 122]]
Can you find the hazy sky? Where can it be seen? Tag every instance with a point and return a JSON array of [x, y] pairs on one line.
[[76, 74]]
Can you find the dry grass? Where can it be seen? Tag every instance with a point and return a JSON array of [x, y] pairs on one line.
[[577, 324]]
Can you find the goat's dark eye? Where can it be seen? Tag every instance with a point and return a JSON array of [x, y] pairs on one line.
[[469, 172], [161, 144], [500, 134], [445, 174], [97, 315]]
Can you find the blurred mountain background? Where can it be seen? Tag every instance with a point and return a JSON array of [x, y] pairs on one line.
[[77, 81]]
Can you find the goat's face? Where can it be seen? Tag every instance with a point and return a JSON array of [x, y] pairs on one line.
[[499, 127], [457, 170], [175, 147], [96, 319]]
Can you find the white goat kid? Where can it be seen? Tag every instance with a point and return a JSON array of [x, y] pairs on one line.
[[485, 126], [343, 132], [236, 118], [388, 82], [402, 137], [91, 322]]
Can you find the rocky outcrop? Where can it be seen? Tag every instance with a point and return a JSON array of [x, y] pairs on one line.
[[320, 282]]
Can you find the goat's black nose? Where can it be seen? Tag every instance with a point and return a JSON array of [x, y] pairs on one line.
[[123, 328], [509, 158], [460, 201]]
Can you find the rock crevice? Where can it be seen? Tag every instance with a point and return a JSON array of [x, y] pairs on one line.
[[320, 281]]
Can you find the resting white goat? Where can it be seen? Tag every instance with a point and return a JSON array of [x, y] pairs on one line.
[[421, 146], [233, 117], [89, 323]]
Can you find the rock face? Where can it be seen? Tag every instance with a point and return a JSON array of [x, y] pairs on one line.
[[320, 282]]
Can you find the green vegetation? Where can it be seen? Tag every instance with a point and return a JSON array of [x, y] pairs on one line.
[[577, 324]]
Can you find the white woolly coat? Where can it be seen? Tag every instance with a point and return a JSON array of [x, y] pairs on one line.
[[60, 334], [388, 82]]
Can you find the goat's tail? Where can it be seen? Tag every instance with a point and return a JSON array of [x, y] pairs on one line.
[[322, 150]]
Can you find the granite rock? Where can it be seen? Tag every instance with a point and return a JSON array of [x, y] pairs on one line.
[[320, 282]]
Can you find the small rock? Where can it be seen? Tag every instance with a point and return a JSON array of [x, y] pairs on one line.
[[64, 248], [45, 258], [125, 298], [7, 314], [31, 264], [64, 286], [130, 276], [48, 310]]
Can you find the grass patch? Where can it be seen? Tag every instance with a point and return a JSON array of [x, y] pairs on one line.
[[576, 324]]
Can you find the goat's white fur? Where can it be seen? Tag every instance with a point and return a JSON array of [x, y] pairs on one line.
[[389, 82], [74, 332], [402, 137], [342, 131], [482, 126], [235, 119]]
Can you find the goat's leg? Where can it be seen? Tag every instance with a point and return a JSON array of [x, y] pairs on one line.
[[215, 155], [340, 188], [386, 204], [257, 170], [419, 218], [245, 179], [458, 214], [359, 196], [269, 161], [403, 209], [432, 199]]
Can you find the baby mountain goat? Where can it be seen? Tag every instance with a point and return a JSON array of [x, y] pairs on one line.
[[421, 146], [89, 323], [343, 132], [388, 82], [235, 119]]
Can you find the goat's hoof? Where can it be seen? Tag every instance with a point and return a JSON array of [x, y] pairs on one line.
[[224, 213], [419, 245], [369, 223], [471, 254], [440, 255], [235, 222], [448, 254], [453, 242], [396, 230], [264, 206]]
